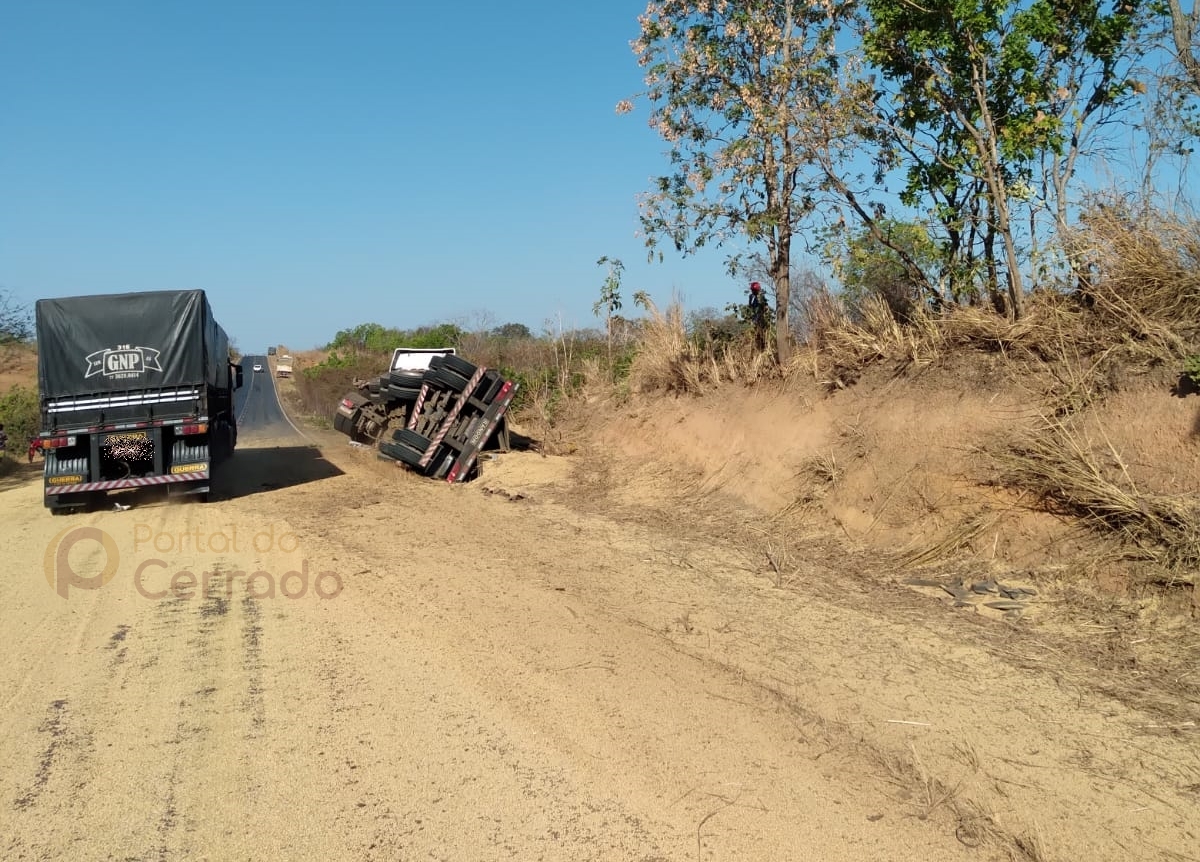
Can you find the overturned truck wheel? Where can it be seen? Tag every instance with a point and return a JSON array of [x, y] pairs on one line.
[[404, 454]]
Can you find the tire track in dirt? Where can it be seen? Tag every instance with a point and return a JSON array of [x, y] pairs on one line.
[[252, 647], [154, 712], [54, 728], [649, 755], [936, 717], [211, 706]]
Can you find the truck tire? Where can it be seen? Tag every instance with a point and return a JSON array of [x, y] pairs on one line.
[[58, 508], [448, 379], [459, 366], [406, 394], [401, 380], [403, 454], [411, 439]]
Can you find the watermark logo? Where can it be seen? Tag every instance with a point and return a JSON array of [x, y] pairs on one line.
[[57, 562], [190, 581]]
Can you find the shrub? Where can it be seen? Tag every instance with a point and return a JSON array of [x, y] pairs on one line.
[[20, 415], [1191, 369]]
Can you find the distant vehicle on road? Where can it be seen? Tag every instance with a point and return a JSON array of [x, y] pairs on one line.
[[270, 351], [258, 366], [284, 367]]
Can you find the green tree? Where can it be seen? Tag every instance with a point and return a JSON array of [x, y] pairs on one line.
[[512, 332], [868, 267], [609, 302], [20, 415], [988, 91], [376, 338], [737, 89], [15, 323]]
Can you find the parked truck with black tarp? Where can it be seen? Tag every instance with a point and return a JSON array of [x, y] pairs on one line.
[[136, 389]]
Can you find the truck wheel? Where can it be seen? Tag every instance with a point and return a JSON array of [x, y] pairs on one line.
[[401, 453], [404, 381], [448, 379], [458, 365], [395, 393], [411, 438]]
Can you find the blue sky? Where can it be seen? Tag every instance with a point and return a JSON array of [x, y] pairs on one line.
[[315, 165]]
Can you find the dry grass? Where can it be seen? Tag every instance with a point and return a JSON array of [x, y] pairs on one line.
[[667, 360], [1139, 303], [1086, 479], [845, 349], [321, 387], [950, 543], [1145, 276]]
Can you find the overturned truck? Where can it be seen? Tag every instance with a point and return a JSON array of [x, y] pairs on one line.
[[432, 411]]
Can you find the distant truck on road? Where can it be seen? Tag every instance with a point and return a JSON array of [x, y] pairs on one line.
[[135, 389], [283, 368]]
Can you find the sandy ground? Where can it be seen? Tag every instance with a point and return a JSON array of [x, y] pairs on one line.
[[525, 667]]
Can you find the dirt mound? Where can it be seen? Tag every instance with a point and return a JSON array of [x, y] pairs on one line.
[[18, 367], [898, 462]]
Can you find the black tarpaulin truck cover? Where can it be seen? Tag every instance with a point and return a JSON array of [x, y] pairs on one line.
[[119, 342]]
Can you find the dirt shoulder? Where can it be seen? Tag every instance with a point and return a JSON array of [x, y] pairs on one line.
[[1003, 721], [544, 663], [990, 719]]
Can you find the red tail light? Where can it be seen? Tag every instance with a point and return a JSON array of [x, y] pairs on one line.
[[57, 442], [199, 428]]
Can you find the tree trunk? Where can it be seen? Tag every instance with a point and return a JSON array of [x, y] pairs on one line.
[[1183, 31], [1016, 290], [781, 269]]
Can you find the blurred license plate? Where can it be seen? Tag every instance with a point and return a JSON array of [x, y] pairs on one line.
[[127, 435]]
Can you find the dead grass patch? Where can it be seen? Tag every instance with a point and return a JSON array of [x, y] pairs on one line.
[[1144, 275], [1071, 474], [667, 360]]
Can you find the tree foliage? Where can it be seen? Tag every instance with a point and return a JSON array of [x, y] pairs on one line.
[[734, 88], [376, 338], [868, 267], [984, 91], [512, 332], [20, 414], [15, 321], [787, 115]]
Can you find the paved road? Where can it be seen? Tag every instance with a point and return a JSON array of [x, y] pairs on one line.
[[256, 405]]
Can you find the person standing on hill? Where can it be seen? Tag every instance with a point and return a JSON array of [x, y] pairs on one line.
[[758, 315]]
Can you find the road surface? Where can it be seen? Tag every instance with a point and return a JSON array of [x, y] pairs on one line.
[[335, 660], [256, 405]]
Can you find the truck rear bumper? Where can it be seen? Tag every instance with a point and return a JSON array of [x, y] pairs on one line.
[[136, 482]]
